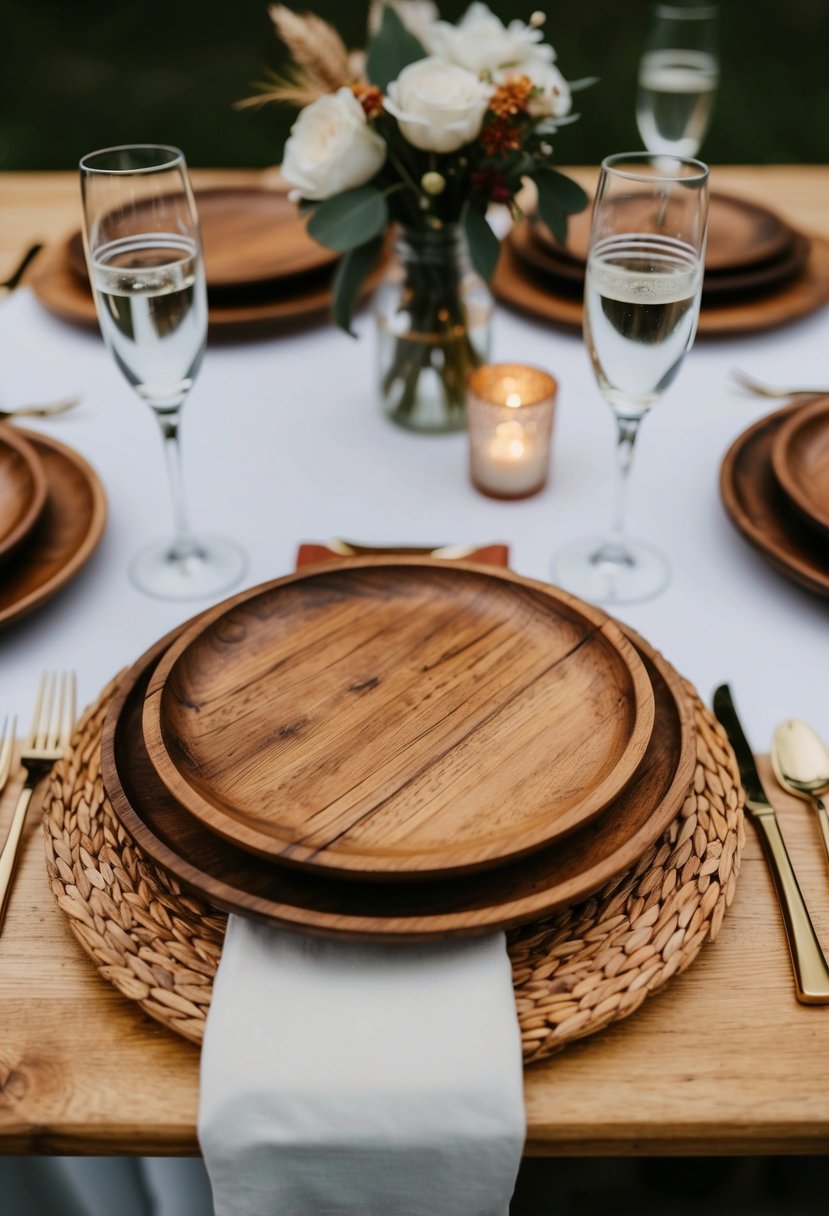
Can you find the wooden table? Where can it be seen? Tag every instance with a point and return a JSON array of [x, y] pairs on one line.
[[724, 1061]]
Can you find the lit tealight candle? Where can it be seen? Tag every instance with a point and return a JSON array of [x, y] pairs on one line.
[[510, 413]]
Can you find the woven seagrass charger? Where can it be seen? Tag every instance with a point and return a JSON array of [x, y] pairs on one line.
[[573, 973]]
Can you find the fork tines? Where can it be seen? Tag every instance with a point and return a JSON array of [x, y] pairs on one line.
[[54, 712]]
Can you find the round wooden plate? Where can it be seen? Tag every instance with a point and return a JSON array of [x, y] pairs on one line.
[[521, 891], [795, 298], [740, 234], [22, 490], [293, 302], [800, 459], [251, 236], [398, 718], [759, 510], [759, 277], [64, 537]]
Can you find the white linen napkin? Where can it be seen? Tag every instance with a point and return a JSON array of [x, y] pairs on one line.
[[340, 1079]]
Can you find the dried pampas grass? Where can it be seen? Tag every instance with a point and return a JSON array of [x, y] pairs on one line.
[[321, 60]]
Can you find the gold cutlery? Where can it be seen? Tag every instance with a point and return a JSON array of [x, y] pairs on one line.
[[52, 722], [49, 410], [800, 761], [14, 279], [810, 968], [7, 750], [771, 390]]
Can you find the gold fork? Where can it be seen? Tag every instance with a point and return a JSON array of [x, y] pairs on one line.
[[50, 409], [772, 390], [7, 750], [52, 723]]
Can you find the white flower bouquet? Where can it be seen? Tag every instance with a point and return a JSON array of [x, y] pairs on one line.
[[426, 129]]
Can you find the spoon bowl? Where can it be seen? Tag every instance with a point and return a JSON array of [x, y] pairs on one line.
[[800, 760]]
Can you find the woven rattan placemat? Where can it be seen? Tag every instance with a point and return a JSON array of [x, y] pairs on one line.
[[573, 973]]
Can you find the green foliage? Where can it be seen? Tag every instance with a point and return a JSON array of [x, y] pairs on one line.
[[558, 197], [392, 50], [350, 219], [484, 246], [348, 281]]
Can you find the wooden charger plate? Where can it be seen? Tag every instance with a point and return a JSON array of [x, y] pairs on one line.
[[570, 275], [800, 459], [398, 718], [518, 892], [22, 490], [251, 236], [65, 535], [760, 511], [290, 303], [740, 234], [795, 298]]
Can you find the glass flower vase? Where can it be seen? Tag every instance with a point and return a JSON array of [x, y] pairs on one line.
[[433, 315]]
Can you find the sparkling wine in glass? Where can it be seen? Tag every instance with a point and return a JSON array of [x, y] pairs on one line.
[[678, 78], [145, 262], [641, 305]]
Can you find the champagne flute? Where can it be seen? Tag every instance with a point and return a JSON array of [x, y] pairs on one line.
[[641, 305], [144, 255], [678, 77]]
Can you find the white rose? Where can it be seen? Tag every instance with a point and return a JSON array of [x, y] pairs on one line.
[[439, 106], [555, 99], [481, 42], [331, 147]]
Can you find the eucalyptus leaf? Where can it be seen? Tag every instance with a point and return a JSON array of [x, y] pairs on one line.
[[349, 279], [558, 197], [391, 50], [350, 219], [484, 246]]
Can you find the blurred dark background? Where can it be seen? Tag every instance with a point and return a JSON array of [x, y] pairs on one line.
[[81, 74]]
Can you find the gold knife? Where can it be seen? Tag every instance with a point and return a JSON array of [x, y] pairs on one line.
[[810, 969]]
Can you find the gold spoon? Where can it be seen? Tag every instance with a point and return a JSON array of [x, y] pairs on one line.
[[800, 761]]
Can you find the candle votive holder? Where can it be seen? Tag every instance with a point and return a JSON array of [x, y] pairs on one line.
[[509, 413]]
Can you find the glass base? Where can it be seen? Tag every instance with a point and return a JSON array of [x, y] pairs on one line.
[[213, 564], [611, 571]]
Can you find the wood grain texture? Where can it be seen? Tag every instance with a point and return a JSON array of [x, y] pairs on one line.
[[565, 273], [759, 510], [22, 490], [398, 717], [551, 878], [722, 1062], [727, 316], [741, 234], [66, 534], [251, 237], [800, 460], [256, 314]]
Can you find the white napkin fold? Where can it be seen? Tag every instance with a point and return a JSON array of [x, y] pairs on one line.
[[340, 1079]]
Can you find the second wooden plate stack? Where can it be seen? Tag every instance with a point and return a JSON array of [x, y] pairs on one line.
[[774, 482]]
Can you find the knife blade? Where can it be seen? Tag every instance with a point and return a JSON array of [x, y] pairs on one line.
[[811, 972]]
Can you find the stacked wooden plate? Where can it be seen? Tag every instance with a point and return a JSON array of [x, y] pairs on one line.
[[264, 273], [759, 272], [398, 747], [52, 515], [774, 482]]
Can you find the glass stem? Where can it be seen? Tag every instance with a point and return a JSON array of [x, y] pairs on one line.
[[627, 430], [168, 421]]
